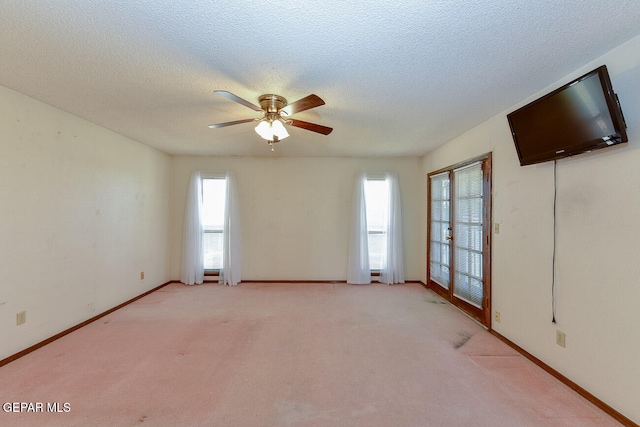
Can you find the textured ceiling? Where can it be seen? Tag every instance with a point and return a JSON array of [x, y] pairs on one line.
[[398, 77]]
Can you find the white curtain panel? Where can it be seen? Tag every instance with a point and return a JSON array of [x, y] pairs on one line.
[[358, 271], [192, 271], [231, 266], [392, 270]]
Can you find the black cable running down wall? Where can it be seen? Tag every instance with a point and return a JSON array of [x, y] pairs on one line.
[[553, 265]]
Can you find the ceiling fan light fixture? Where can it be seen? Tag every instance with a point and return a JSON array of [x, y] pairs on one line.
[[264, 130], [279, 130], [268, 129]]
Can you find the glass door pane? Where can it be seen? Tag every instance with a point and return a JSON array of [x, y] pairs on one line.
[[468, 233], [440, 236]]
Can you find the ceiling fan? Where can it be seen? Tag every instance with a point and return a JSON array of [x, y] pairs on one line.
[[275, 114]]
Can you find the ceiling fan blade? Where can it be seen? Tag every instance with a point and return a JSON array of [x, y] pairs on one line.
[[310, 126], [306, 103], [237, 99], [235, 122]]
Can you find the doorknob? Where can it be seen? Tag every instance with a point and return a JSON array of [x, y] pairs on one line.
[[449, 238]]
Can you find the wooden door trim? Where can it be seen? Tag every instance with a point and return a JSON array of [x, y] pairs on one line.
[[487, 173]]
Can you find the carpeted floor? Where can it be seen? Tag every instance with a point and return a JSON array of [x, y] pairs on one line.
[[287, 355]]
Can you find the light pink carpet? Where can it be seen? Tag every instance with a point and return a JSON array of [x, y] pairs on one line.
[[288, 355]]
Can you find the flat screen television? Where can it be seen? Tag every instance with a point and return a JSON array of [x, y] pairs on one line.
[[581, 116]]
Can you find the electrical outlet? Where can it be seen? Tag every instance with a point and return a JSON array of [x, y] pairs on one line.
[[496, 316], [21, 318], [560, 338], [142, 275]]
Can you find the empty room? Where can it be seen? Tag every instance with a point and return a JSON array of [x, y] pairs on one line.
[[319, 213]]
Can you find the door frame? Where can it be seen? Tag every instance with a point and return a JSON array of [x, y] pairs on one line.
[[482, 315]]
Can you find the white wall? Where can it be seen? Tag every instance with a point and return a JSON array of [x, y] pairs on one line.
[[82, 212], [295, 212], [598, 245]]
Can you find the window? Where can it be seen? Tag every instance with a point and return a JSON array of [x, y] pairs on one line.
[[377, 201], [213, 205], [375, 243]]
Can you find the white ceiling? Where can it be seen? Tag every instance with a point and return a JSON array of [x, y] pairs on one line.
[[398, 77]]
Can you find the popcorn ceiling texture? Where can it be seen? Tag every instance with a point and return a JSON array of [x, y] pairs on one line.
[[399, 78]]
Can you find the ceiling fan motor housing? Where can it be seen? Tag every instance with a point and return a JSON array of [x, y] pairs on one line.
[[271, 103]]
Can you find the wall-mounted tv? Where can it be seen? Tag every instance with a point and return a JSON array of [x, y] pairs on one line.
[[581, 116]]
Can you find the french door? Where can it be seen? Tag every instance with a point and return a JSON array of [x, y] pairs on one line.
[[459, 249]]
